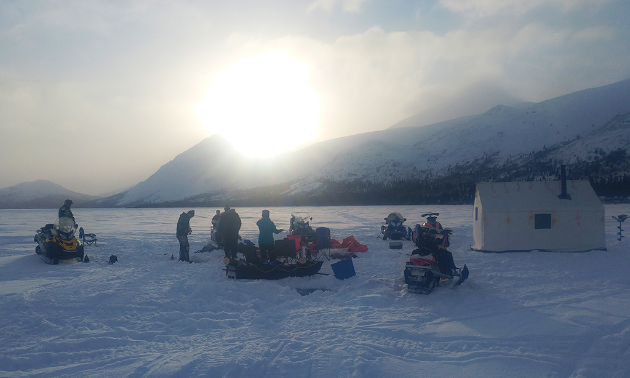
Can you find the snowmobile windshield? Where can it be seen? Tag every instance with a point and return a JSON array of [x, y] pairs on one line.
[[65, 227], [395, 217], [301, 220]]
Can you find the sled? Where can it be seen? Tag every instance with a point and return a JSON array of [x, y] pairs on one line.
[[271, 270], [284, 262]]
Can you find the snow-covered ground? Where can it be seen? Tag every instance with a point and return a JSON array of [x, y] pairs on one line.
[[518, 315]]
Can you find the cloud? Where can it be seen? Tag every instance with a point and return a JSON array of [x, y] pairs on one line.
[[352, 5], [371, 80], [326, 5], [483, 8], [329, 5], [593, 34]]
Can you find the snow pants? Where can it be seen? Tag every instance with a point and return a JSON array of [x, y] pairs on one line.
[[229, 246], [184, 247]]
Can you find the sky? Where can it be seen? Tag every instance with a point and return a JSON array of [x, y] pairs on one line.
[[97, 95]]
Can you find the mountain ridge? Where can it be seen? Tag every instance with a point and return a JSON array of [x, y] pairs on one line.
[[40, 194], [504, 143], [504, 133]]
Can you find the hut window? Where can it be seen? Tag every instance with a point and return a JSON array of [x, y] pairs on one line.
[[542, 221], [476, 213]]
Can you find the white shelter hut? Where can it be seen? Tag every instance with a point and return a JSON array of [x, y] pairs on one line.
[[538, 215]]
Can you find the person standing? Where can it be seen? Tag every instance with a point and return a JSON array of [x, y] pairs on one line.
[[229, 226], [214, 230], [215, 219], [64, 211], [266, 229], [183, 230]]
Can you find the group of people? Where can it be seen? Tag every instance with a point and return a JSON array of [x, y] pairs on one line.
[[227, 226]]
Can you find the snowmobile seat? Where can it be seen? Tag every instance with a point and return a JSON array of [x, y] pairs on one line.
[[426, 260]]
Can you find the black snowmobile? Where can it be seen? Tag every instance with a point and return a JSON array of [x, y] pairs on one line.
[[57, 242], [284, 261], [394, 228], [300, 225], [431, 263]]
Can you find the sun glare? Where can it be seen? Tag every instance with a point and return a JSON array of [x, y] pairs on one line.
[[263, 105]]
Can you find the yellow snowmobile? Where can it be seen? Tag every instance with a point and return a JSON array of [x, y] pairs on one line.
[[57, 242]]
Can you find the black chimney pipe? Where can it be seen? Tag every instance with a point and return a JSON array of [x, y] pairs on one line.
[[563, 184]]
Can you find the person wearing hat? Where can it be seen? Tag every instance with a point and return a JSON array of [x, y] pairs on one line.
[[266, 229], [214, 230], [229, 226], [64, 211], [183, 230]]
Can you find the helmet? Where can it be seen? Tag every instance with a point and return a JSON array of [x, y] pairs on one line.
[[67, 202]]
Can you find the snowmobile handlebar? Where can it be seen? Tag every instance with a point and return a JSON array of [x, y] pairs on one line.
[[425, 215]]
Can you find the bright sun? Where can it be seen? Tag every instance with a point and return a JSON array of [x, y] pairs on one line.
[[263, 105]]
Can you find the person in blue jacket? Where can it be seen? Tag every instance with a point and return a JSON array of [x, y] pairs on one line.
[[266, 229]]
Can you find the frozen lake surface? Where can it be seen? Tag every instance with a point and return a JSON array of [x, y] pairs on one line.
[[530, 314]]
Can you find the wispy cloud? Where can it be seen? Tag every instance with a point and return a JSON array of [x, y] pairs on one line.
[[482, 8], [352, 5], [329, 5]]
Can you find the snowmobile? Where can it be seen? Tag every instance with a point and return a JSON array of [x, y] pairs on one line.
[[393, 228], [431, 263], [57, 242], [286, 261], [300, 225]]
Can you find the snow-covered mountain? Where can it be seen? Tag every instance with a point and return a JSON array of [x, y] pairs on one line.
[[586, 120], [40, 194], [212, 165], [503, 132], [613, 136]]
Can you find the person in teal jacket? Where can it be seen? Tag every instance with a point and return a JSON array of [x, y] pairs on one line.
[[266, 229]]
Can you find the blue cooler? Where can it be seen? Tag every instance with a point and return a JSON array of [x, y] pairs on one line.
[[343, 269]]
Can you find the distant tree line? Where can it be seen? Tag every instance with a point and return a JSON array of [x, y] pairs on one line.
[[608, 172]]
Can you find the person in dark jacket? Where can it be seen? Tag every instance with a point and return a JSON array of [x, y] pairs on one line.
[[229, 225], [64, 211], [215, 219], [214, 230], [266, 229], [183, 230]]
